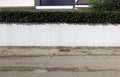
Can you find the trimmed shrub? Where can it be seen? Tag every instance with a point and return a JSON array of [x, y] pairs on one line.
[[59, 17], [106, 5]]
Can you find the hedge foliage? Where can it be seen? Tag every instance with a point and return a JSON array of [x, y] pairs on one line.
[[106, 5], [59, 17]]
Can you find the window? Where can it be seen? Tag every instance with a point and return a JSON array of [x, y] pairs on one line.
[[55, 4]]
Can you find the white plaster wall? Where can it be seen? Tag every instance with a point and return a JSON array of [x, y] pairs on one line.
[[17, 3], [59, 35]]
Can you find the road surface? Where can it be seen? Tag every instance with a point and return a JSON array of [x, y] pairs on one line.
[[60, 66]]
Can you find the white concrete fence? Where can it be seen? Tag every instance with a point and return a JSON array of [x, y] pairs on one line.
[[59, 35]]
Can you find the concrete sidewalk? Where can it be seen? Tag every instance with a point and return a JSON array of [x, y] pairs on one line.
[[60, 66], [52, 51], [59, 61]]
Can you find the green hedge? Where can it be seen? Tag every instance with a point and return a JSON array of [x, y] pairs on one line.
[[105, 5], [59, 17]]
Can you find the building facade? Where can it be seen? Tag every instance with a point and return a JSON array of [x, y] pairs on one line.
[[40, 4]]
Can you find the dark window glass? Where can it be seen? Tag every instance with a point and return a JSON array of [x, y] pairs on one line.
[[54, 2]]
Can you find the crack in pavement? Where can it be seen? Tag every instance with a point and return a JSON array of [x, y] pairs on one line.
[[54, 69]]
